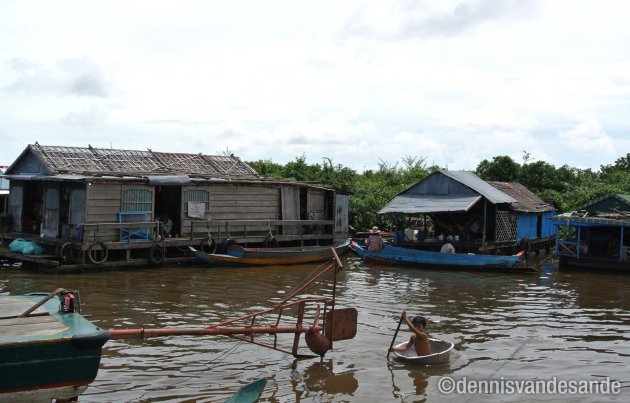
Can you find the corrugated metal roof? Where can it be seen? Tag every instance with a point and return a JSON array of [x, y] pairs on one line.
[[526, 201], [625, 198], [567, 218], [419, 204], [103, 161], [480, 186]]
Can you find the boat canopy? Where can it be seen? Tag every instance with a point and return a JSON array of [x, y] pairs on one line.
[[429, 203]]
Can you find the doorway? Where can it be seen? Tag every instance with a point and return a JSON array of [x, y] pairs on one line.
[[168, 201]]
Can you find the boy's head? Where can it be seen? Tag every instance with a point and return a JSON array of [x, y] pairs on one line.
[[419, 320]]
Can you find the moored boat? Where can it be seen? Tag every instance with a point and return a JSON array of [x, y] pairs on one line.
[[441, 352], [236, 255], [395, 255], [48, 349], [249, 393]]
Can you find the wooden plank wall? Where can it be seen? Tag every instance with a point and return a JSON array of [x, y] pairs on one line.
[[290, 197], [104, 203], [316, 204], [237, 202]]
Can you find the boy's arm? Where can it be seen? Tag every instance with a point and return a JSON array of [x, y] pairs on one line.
[[404, 347]]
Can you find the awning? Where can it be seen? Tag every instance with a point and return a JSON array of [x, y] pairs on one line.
[[169, 180], [424, 204]]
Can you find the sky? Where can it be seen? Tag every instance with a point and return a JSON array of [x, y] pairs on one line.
[[360, 83]]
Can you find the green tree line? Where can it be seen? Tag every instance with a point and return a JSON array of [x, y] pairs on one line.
[[370, 190]]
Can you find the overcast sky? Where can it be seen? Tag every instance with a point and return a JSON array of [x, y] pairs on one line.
[[360, 82]]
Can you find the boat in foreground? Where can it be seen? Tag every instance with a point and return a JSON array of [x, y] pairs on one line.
[[249, 393], [48, 349], [441, 353], [236, 255], [421, 258]]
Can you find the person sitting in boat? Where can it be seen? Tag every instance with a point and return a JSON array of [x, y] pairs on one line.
[[418, 339], [448, 246], [374, 242]]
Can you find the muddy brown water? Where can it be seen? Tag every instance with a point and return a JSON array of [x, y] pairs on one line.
[[553, 326]]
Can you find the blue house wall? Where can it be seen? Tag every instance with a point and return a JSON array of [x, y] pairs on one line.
[[527, 225], [548, 229]]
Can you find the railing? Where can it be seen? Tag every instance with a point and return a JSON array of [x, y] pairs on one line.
[[114, 231], [261, 230], [568, 248], [239, 230]]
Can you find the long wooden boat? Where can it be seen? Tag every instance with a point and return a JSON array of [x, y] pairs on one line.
[[236, 255], [441, 353], [427, 259], [49, 350]]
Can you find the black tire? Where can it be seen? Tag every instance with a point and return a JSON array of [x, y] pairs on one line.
[[93, 251], [225, 244], [208, 245], [157, 255]]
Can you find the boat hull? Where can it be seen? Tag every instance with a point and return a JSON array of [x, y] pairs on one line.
[[49, 355], [239, 256], [441, 353], [398, 256]]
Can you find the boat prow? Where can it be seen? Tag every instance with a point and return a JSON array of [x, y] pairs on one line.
[[441, 353], [49, 350]]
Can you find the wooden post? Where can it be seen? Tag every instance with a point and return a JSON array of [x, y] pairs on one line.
[[483, 235]]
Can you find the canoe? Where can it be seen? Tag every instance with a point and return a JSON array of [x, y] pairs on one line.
[[249, 393], [52, 352], [441, 353], [395, 255], [236, 255]]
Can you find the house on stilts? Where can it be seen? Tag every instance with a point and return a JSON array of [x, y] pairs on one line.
[[482, 217], [596, 236], [95, 208]]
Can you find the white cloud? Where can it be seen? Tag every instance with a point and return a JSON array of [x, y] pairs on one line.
[[361, 82], [588, 137]]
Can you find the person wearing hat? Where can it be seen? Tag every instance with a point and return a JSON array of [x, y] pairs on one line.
[[448, 246], [374, 242]]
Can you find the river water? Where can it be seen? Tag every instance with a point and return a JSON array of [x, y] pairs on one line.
[[560, 328]]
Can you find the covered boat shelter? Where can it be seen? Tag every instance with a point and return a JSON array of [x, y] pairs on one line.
[[597, 235], [481, 216]]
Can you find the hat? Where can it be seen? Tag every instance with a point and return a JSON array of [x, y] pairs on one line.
[[449, 238], [375, 230]]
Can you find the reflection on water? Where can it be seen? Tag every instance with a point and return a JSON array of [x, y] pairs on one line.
[[573, 325]]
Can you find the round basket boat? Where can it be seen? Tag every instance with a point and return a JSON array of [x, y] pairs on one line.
[[441, 353]]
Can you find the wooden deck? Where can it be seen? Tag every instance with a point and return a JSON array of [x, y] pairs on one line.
[[97, 250]]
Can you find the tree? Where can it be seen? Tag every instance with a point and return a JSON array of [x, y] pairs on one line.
[[539, 176], [502, 168], [621, 164]]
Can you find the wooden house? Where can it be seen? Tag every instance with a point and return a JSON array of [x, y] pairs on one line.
[[92, 206], [481, 216], [596, 236]]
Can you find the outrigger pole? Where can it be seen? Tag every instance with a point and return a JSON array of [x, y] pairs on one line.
[[338, 324]]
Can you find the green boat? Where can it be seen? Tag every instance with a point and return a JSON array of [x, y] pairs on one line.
[[49, 350]]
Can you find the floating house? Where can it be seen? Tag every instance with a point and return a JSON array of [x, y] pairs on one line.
[[94, 207], [596, 236], [489, 217]]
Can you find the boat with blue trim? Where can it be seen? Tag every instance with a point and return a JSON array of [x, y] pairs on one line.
[[398, 256]]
